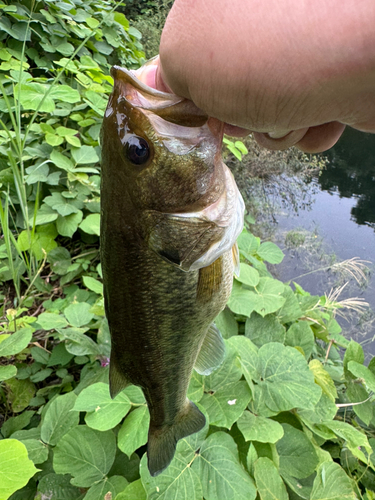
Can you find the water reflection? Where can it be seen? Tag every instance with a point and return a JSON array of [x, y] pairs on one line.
[[351, 173]]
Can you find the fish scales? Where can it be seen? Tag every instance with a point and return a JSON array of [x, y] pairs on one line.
[[171, 213]]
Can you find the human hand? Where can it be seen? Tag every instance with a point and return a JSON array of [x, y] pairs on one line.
[[292, 72]]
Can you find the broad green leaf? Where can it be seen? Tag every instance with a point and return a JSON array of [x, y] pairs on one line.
[[54, 140], [354, 438], [14, 424], [227, 373], [84, 155], [91, 224], [77, 343], [134, 430], [65, 93], [248, 243], [301, 335], [93, 284], [225, 405], [68, 225], [59, 355], [51, 321], [261, 330], [226, 324], [360, 371], [134, 491], [114, 484], [323, 379], [62, 205], [358, 394], [44, 215], [268, 296], [240, 300], [104, 412], [291, 309], [177, 481], [58, 487], [78, 313], [324, 410], [354, 352], [297, 454], [270, 486], [61, 161], [270, 252], [196, 387], [20, 393], [220, 472], [36, 450], [331, 483], [59, 419], [284, 378], [261, 429], [73, 140], [7, 372], [15, 467], [32, 95], [86, 454], [248, 275], [16, 342], [63, 131]]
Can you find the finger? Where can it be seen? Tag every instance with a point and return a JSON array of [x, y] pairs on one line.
[[283, 142], [321, 137], [234, 131]]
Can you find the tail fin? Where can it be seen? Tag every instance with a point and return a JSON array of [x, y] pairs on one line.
[[162, 441]]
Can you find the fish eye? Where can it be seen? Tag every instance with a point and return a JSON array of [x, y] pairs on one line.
[[137, 150]]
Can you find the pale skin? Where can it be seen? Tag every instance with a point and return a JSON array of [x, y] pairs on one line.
[[293, 72]]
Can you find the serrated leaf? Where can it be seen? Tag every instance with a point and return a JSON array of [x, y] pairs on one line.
[[261, 429], [297, 454], [104, 413], [78, 314], [270, 252], [134, 430], [15, 467], [59, 419], [323, 379], [331, 483], [269, 483], [86, 454], [221, 474], [16, 342]]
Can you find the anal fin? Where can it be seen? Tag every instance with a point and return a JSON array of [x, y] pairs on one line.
[[236, 260], [117, 381], [212, 352]]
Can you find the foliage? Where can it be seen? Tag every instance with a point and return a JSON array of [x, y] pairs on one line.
[[287, 417]]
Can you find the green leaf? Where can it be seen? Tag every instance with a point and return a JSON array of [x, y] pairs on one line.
[[65, 93], [291, 309], [114, 484], [62, 205], [331, 483], [78, 313], [134, 430], [297, 454], [93, 284], [16, 342], [91, 224], [73, 140], [104, 412], [262, 330], [225, 405], [84, 155], [270, 252], [57, 487], [256, 428], [78, 343], [36, 450], [86, 454], [221, 474], [59, 419], [15, 467], [7, 372], [301, 335], [323, 379], [359, 371], [44, 215], [269, 484], [240, 300], [248, 275], [283, 378], [64, 131], [14, 424], [61, 161], [134, 491], [68, 225], [268, 297], [32, 95], [226, 324], [248, 244], [20, 393], [354, 438], [51, 321], [54, 140]]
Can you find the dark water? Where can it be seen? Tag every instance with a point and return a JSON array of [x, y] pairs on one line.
[[342, 214]]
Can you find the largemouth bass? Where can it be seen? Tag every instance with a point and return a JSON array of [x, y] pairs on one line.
[[171, 213]]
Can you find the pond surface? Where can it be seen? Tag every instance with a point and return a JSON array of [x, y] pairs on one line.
[[341, 218]]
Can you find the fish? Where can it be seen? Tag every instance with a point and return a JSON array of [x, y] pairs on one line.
[[170, 216]]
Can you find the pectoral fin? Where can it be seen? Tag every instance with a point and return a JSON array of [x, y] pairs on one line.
[[117, 382], [212, 352], [181, 240]]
